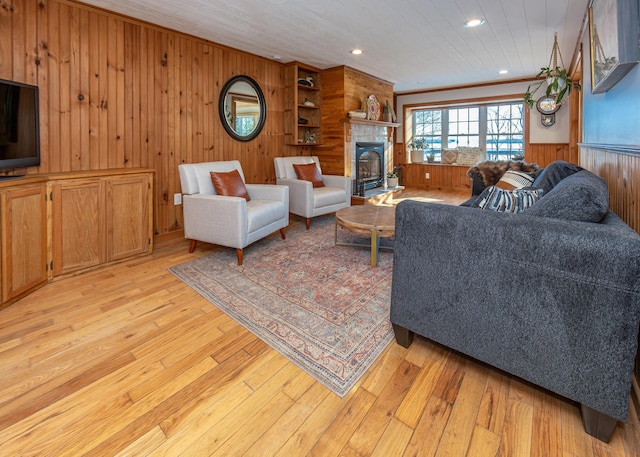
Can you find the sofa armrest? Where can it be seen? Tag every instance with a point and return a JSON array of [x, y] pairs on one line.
[[555, 302]]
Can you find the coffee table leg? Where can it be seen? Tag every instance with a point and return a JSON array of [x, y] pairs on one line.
[[375, 244]]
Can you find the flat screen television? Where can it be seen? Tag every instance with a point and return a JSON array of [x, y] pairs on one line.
[[19, 126]]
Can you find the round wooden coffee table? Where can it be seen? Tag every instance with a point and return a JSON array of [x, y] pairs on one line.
[[367, 220]]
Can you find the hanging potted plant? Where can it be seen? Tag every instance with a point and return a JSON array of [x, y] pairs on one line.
[[555, 76], [558, 85]]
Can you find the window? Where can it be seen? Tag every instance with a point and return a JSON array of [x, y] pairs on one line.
[[497, 128], [505, 132]]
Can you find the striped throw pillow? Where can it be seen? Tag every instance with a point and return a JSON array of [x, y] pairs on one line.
[[507, 201]]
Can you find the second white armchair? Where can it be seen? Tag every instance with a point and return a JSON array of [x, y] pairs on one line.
[[306, 200]]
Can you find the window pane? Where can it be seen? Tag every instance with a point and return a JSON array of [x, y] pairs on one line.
[[464, 127], [427, 125]]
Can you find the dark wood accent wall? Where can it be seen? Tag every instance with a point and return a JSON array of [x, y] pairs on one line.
[[343, 89], [120, 93]]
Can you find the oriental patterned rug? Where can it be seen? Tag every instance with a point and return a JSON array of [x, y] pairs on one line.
[[321, 306]]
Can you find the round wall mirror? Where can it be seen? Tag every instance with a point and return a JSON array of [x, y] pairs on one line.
[[242, 108]]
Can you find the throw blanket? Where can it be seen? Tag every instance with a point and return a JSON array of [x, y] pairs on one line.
[[492, 171]]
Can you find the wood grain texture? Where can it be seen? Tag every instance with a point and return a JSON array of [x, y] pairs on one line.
[[149, 367], [120, 93], [343, 89]]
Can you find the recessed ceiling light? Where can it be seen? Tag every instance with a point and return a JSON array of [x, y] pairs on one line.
[[276, 57], [474, 22], [356, 52], [503, 72]]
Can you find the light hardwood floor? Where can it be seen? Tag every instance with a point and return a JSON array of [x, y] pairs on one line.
[[127, 360]]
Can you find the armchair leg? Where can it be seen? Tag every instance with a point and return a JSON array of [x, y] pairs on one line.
[[308, 223], [239, 254], [192, 246], [282, 234]]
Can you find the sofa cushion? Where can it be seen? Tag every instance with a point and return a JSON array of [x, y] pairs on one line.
[[309, 172], [229, 184], [553, 173], [507, 201], [582, 196]]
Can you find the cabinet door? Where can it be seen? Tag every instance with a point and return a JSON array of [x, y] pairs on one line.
[[78, 224], [24, 240], [128, 216]]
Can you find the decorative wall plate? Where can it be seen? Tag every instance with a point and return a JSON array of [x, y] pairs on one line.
[[373, 108], [547, 105]]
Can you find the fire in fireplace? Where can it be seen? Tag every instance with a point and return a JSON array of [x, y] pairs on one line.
[[369, 167]]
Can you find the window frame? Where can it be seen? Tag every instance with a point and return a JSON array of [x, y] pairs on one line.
[[409, 110]]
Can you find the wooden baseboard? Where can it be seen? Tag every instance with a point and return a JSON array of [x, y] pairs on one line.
[[169, 238]]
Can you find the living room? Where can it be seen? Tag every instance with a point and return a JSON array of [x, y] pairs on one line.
[[93, 67]]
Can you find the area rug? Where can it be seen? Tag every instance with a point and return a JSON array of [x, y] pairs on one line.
[[321, 306]]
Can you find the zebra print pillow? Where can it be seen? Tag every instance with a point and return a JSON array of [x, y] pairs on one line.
[[507, 201]]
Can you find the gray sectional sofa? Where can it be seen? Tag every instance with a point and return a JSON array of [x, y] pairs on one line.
[[550, 295]]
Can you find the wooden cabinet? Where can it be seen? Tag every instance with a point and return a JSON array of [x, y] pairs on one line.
[[23, 209], [303, 96], [100, 219], [66, 222]]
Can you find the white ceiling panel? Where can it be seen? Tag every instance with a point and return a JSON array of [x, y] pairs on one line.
[[415, 44]]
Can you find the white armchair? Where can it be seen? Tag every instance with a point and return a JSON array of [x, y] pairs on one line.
[[308, 201], [229, 221]]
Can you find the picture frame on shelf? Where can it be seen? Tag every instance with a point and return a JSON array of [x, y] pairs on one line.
[[614, 33]]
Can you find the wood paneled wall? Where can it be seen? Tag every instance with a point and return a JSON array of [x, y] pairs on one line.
[[343, 89], [119, 93], [621, 169], [544, 154]]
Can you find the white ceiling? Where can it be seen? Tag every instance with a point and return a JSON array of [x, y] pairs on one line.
[[415, 44]]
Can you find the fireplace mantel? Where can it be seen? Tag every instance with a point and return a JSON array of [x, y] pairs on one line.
[[368, 122]]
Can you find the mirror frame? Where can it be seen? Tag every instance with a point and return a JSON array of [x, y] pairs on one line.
[[261, 102]]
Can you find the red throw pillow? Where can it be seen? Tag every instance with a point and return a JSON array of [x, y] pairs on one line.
[[309, 172], [229, 184]]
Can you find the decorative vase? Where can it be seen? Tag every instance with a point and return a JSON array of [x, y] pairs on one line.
[[392, 182]]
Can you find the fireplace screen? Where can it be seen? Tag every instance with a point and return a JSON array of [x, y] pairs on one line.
[[369, 166]]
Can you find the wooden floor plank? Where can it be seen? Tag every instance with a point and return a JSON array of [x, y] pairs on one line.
[[287, 425], [378, 417], [345, 423]]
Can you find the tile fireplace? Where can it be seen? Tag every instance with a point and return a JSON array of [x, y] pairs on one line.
[[368, 156]]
